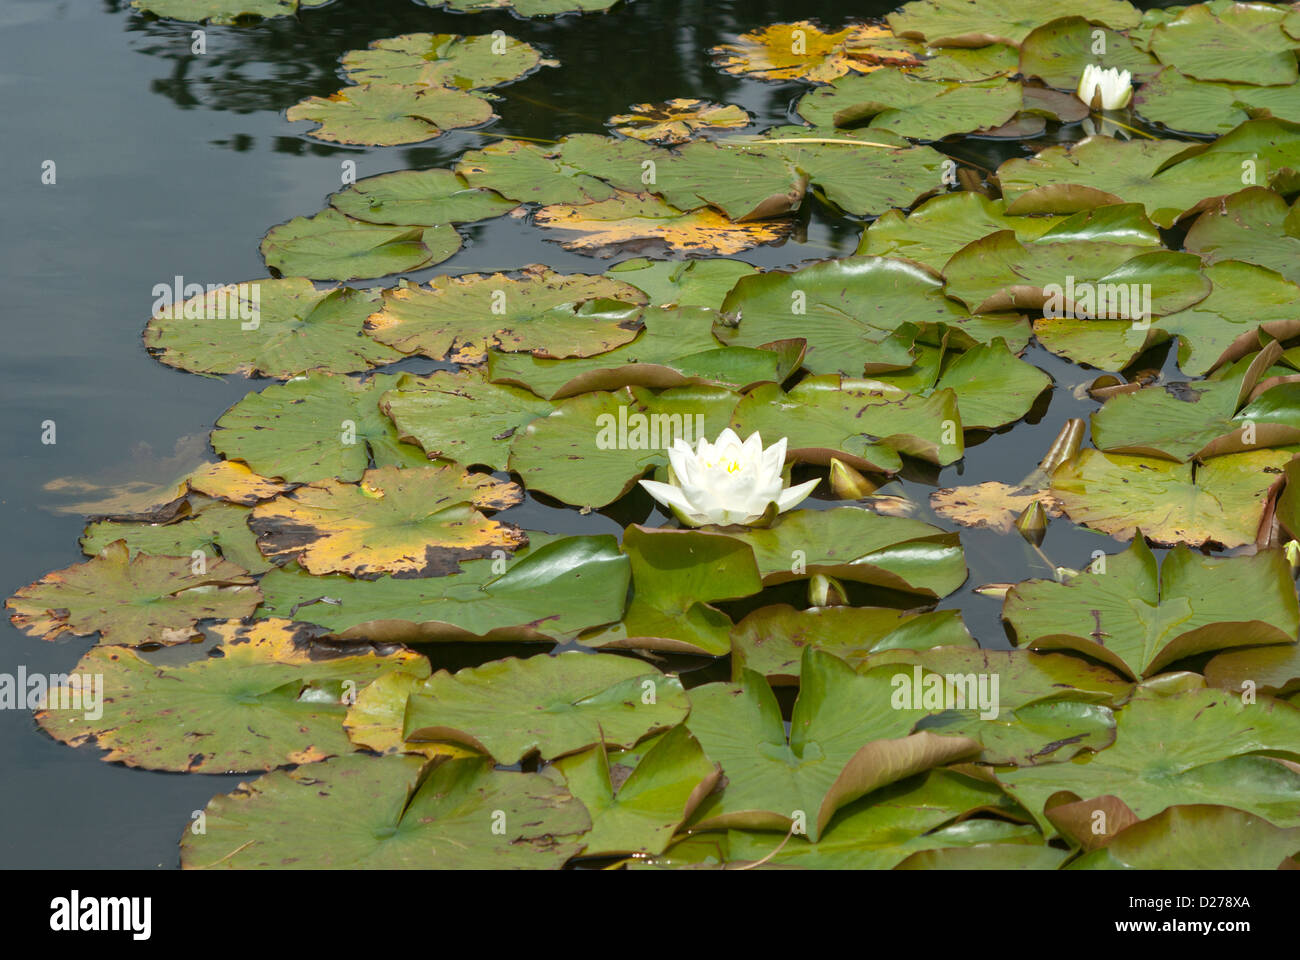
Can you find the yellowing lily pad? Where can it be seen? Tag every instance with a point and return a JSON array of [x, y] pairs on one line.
[[269, 695], [217, 530], [803, 51], [417, 522], [133, 601], [677, 120]]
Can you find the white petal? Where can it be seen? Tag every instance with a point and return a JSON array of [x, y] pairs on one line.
[[668, 496], [794, 495]]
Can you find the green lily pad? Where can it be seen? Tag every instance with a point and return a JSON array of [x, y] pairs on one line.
[[850, 543], [803, 51], [677, 120], [675, 575], [460, 416], [1274, 669], [1197, 746], [1140, 621], [961, 23], [525, 8], [676, 348], [682, 283], [605, 227], [414, 198], [744, 182], [388, 114], [551, 705], [864, 423], [874, 833], [593, 447], [443, 60], [385, 813], [269, 695], [294, 327], [538, 310], [132, 601], [1204, 106], [218, 530], [414, 522], [1197, 836], [1255, 226], [1220, 501], [770, 641], [330, 246], [314, 428], [221, 12], [1057, 53], [910, 106], [844, 741], [551, 589], [1237, 42], [640, 813], [972, 63], [1020, 853], [528, 173]]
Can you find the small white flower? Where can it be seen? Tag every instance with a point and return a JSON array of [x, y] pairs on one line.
[[1116, 87], [727, 481]]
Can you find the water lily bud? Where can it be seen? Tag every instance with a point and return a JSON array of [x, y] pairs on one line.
[[1292, 550], [727, 481], [847, 483], [826, 592], [998, 590], [1033, 523], [1111, 88]]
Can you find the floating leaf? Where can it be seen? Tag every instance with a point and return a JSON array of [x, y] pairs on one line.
[[442, 59], [1195, 746], [1254, 225], [267, 696], [269, 328], [528, 173], [415, 522], [131, 490], [1238, 42], [550, 314], [383, 813], [1057, 53], [637, 218], [218, 530], [682, 283], [1274, 669], [1198, 837], [744, 182], [460, 416], [1140, 621], [962, 23], [1220, 501], [911, 106], [330, 246], [803, 51], [525, 8], [387, 114], [314, 428], [222, 11], [675, 576], [1203, 106], [643, 810], [845, 741], [419, 197], [549, 590], [550, 705], [132, 601], [770, 641], [677, 120]]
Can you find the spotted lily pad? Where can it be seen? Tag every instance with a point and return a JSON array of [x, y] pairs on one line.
[[636, 808], [1195, 746], [388, 114], [677, 120], [682, 283], [1196, 836], [1139, 621], [313, 428], [1238, 42], [845, 740], [330, 246], [549, 705], [631, 219], [218, 530], [771, 640], [417, 522], [1221, 501], [803, 51], [538, 310], [294, 328], [386, 813], [460, 416], [549, 590], [676, 574], [132, 601], [443, 59], [267, 696], [417, 198]]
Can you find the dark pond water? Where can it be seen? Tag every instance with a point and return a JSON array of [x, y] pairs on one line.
[[173, 163]]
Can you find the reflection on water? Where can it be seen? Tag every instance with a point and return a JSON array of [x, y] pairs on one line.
[[171, 162]]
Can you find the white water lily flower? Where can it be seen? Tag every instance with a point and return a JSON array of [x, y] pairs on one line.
[[727, 481], [1116, 87]]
